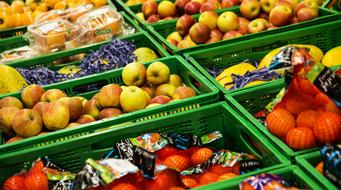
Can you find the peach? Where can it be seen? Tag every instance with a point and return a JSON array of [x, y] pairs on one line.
[[200, 33], [192, 8], [184, 24], [231, 34], [209, 18]]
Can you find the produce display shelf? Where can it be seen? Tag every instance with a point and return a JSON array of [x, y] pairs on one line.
[[19, 41], [19, 31], [250, 101], [237, 136], [292, 174], [307, 163], [161, 30], [325, 36], [206, 94], [140, 39]]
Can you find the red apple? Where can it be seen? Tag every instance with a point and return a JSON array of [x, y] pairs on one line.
[[160, 99], [250, 9], [56, 115], [231, 34], [268, 5], [11, 102], [153, 18], [192, 8], [209, 18], [285, 3], [180, 5], [75, 107], [109, 112], [186, 43], [229, 3], [292, 2], [109, 95], [258, 25], [212, 40], [263, 16], [215, 33], [243, 25], [27, 123], [183, 92], [39, 107], [166, 9], [228, 21], [280, 15], [184, 24], [92, 107], [6, 117], [294, 20], [152, 105], [52, 95], [305, 14], [86, 119], [149, 8], [14, 139], [200, 33], [149, 89], [209, 6], [73, 125], [31, 95]]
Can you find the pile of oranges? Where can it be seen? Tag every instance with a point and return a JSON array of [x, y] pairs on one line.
[[20, 13]]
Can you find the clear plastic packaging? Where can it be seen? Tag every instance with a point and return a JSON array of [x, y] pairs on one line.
[[70, 14], [55, 35], [24, 52], [101, 24]]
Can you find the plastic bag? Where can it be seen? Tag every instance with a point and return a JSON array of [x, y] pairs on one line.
[[24, 52], [101, 24]]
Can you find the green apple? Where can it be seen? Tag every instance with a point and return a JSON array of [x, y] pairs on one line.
[[134, 74], [175, 80], [157, 73], [133, 98], [165, 89]]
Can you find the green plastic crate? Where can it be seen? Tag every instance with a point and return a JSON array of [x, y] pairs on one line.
[[250, 101], [206, 91], [308, 162], [237, 136], [19, 41], [325, 36], [19, 31], [162, 30], [293, 174], [140, 39], [333, 5]]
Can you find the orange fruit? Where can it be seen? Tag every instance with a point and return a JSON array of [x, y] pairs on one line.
[[323, 102], [99, 3], [220, 169], [42, 7], [306, 118], [201, 155], [327, 128], [126, 186], [319, 167], [280, 121], [207, 178], [26, 19], [177, 188], [300, 138], [177, 162], [189, 181], [227, 176], [307, 87], [14, 20], [60, 5], [299, 103]]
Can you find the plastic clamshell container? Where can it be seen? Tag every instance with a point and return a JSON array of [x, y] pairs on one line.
[[325, 36], [53, 35], [162, 30], [100, 24], [308, 162], [70, 14], [237, 136], [206, 94]]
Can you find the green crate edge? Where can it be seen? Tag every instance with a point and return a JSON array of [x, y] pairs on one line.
[[288, 152], [332, 16], [284, 162], [145, 114], [303, 163]]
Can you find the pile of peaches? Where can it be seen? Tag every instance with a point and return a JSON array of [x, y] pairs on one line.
[[256, 16], [167, 10]]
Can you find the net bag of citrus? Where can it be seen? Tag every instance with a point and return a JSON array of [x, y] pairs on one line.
[[307, 112]]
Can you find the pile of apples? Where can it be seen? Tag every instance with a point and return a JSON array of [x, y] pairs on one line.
[[256, 15], [41, 111], [167, 10]]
